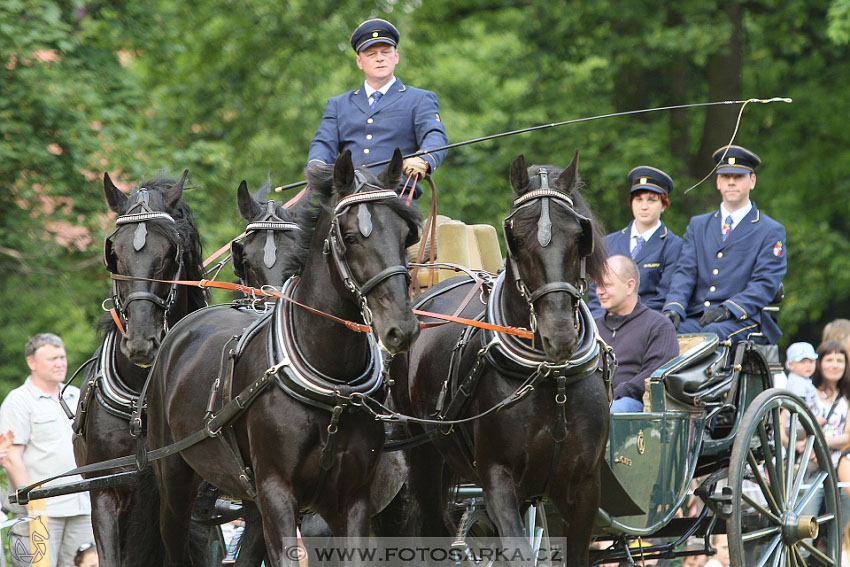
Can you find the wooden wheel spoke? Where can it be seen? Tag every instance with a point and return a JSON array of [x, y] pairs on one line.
[[765, 489], [771, 550], [776, 464], [776, 484], [810, 493], [792, 453], [760, 509], [805, 456], [797, 557], [817, 553], [758, 534]]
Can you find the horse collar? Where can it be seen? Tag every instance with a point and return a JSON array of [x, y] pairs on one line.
[[302, 380], [518, 354]]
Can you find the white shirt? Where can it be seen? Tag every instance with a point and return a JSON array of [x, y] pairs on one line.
[[645, 234], [40, 424], [737, 216], [370, 91]]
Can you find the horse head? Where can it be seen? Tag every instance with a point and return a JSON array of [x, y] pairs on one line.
[[154, 239], [369, 230], [553, 243], [260, 258]]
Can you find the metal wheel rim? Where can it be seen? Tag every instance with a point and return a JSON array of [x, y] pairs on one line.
[[769, 525]]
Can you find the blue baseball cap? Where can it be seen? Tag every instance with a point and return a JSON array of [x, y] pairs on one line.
[[800, 351], [735, 159], [646, 178], [373, 31]]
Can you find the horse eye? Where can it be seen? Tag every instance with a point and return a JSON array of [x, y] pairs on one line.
[[349, 238]]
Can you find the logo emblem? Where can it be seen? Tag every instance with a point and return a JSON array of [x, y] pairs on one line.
[[731, 161], [777, 249]]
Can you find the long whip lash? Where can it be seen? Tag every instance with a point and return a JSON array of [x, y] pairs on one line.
[[577, 121]]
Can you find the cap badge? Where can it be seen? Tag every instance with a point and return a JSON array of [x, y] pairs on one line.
[[731, 161], [643, 180], [374, 34]]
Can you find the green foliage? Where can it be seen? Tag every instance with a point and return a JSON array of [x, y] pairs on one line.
[[234, 90]]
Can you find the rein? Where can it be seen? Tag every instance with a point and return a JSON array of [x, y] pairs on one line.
[[268, 291]]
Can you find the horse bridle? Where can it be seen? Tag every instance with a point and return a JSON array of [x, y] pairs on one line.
[[270, 223], [335, 245], [139, 239], [545, 195]]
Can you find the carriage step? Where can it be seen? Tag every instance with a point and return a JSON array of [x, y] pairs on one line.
[[722, 502]]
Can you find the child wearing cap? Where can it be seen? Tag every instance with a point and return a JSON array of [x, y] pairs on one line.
[[800, 361]]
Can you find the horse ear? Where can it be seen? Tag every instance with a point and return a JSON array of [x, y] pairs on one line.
[[519, 175], [116, 200], [238, 256], [390, 178], [173, 194], [344, 174], [569, 177], [249, 208]]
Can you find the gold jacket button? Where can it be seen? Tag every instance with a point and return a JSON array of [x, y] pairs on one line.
[[366, 151], [712, 288], [720, 254], [707, 303], [368, 136], [715, 271], [369, 121]]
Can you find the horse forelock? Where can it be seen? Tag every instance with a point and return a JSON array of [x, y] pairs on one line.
[[596, 261], [182, 232]]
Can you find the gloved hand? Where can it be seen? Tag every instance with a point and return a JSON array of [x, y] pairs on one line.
[[715, 314], [674, 317], [415, 167]]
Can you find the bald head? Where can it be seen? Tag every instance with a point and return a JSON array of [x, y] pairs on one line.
[[618, 290], [624, 268]]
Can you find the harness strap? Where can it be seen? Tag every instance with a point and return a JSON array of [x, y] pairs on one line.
[[213, 427]]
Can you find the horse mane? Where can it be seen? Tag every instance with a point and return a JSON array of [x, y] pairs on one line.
[[595, 264], [320, 190], [186, 235]]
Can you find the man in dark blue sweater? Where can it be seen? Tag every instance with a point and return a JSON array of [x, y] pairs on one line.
[[642, 339]]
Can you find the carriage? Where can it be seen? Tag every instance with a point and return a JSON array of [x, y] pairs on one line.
[[711, 414], [720, 436]]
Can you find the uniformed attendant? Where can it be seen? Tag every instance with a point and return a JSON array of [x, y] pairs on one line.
[[383, 113], [732, 261], [646, 239]]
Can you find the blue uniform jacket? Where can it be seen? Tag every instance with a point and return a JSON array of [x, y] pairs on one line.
[[405, 117], [655, 261], [743, 273]]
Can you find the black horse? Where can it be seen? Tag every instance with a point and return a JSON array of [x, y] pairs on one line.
[[155, 238], [299, 443], [546, 441], [260, 257]]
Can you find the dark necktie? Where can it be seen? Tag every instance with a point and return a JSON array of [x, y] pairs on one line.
[[727, 227], [376, 96], [639, 242]]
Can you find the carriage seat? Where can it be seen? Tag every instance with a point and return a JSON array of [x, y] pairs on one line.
[[473, 246], [690, 375]]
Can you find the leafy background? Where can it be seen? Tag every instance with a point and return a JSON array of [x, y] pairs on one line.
[[234, 90]]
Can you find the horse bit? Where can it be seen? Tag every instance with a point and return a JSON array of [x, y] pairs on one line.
[[544, 237], [139, 239], [335, 245]]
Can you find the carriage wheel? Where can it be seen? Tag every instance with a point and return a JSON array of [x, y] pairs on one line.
[[475, 530], [537, 532], [771, 521]]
